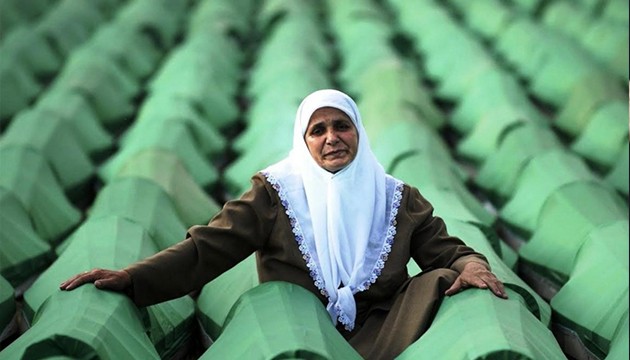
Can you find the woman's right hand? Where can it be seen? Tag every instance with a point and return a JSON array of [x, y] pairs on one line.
[[116, 280]]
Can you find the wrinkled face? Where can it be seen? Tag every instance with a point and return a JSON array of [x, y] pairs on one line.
[[331, 138]]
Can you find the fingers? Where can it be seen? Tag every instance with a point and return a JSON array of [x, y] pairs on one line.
[[102, 279], [481, 280]]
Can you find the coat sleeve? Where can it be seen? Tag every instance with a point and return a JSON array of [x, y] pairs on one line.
[[239, 229], [431, 245]]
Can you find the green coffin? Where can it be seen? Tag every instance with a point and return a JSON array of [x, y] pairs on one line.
[[567, 216], [618, 176], [7, 304], [475, 324], [278, 320], [599, 279]]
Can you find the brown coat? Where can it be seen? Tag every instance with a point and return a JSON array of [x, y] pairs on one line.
[[257, 222]]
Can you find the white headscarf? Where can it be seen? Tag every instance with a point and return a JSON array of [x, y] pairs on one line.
[[344, 222]]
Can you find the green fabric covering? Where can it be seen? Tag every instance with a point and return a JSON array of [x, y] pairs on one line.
[[75, 110], [30, 47], [475, 324], [393, 87], [54, 139], [301, 327], [106, 86], [189, 73], [488, 18], [472, 235], [588, 95], [403, 137], [442, 187], [134, 53], [54, 25], [144, 202], [23, 252], [224, 16], [7, 303], [218, 296], [537, 182], [599, 279], [84, 324], [608, 41], [567, 216], [111, 242], [483, 141], [517, 144], [164, 168], [493, 89], [159, 109], [170, 325], [19, 87], [616, 10], [618, 176], [27, 175], [605, 135], [619, 349], [170, 136], [568, 17], [159, 20]]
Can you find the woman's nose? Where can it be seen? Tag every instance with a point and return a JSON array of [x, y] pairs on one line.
[[332, 137]]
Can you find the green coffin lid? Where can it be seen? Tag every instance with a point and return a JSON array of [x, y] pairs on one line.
[[19, 87], [442, 187], [537, 182], [619, 345], [618, 176], [391, 83], [224, 16], [567, 216], [55, 140], [30, 47], [27, 175], [568, 17], [171, 325], [475, 324], [7, 303], [588, 95], [164, 168], [85, 323], [473, 236], [75, 110], [599, 279], [301, 327], [53, 25], [608, 41], [488, 18], [493, 89], [111, 242], [23, 252], [603, 139], [144, 202], [521, 46], [162, 108], [218, 296], [518, 143], [191, 75], [171, 136], [159, 20], [403, 137], [484, 139], [265, 117]]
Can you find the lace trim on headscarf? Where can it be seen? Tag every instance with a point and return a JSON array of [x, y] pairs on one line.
[[311, 264]]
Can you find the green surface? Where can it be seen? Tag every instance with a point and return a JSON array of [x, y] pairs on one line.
[[475, 324], [301, 327], [192, 204], [618, 176], [537, 182], [84, 324], [27, 175], [619, 349], [144, 202], [218, 296], [599, 279], [567, 216], [7, 303], [23, 252]]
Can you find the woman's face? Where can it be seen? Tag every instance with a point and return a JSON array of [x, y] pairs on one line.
[[331, 138]]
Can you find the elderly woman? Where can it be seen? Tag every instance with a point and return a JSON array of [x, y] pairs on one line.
[[327, 218]]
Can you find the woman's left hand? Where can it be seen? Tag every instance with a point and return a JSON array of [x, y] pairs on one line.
[[477, 275]]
